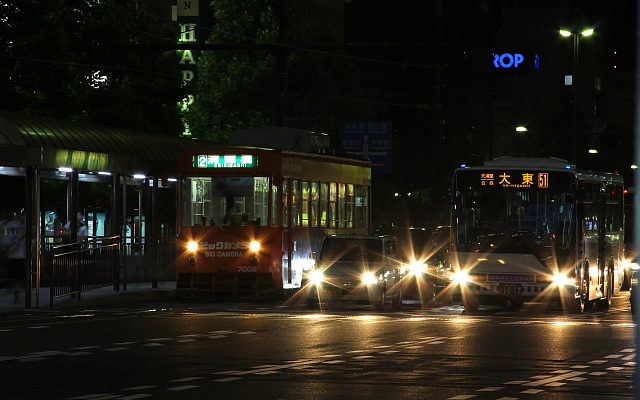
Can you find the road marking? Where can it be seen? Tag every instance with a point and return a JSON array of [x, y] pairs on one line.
[[554, 379], [185, 387]]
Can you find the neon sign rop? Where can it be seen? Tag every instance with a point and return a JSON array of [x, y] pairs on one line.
[[507, 60]]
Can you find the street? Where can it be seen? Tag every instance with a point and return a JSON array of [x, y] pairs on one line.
[[277, 350]]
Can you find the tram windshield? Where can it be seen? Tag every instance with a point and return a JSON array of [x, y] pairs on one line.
[[226, 201], [488, 213]]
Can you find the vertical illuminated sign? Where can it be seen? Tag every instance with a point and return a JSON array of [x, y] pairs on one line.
[[187, 18]]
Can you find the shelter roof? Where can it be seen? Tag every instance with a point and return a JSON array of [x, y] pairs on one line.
[[28, 140]]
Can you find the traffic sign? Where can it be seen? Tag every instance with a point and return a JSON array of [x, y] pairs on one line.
[[369, 140]]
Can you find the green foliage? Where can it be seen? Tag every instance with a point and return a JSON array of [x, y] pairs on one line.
[[245, 89], [51, 51]]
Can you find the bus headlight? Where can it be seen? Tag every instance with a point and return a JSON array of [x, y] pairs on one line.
[[460, 277], [192, 246], [254, 246], [562, 280], [369, 278], [316, 277]]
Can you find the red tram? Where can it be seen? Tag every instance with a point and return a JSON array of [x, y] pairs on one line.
[[251, 218]]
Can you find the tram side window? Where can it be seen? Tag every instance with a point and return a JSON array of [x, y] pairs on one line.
[[358, 207], [333, 214], [275, 205], [285, 203], [314, 204], [260, 201], [304, 207], [349, 204], [324, 203], [199, 206], [365, 207], [341, 205], [295, 206]]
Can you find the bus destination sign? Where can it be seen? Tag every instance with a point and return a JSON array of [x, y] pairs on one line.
[[225, 161], [515, 179]]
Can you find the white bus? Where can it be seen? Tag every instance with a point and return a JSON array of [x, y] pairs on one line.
[[536, 229]]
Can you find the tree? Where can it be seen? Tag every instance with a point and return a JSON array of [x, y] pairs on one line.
[[266, 86], [80, 60]]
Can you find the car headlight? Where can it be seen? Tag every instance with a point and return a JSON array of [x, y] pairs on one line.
[[192, 246], [562, 280], [416, 268], [316, 277], [369, 278], [460, 277], [254, 246]]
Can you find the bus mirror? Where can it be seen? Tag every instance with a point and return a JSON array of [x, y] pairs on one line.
[[312, 255]]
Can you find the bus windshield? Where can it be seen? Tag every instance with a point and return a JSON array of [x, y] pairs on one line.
[[487, 213], [225, 201]]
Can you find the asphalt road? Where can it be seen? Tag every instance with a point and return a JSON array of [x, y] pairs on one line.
[[285, 351]]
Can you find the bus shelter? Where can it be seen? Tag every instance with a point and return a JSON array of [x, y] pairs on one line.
[[121, 182]]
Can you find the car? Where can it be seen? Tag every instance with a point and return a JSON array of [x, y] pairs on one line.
[[356, 269]]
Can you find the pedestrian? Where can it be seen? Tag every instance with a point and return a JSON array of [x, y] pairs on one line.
[[15, 254], [82, 227]]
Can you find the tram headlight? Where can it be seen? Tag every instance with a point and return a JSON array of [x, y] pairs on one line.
[[316, 276], [369, 278], [192, 246], [254, 246], [563, 280]]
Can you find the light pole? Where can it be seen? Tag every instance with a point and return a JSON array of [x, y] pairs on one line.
[[576, 33]]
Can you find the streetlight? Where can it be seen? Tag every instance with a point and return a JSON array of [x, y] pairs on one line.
[[576, 33], [520, 130]]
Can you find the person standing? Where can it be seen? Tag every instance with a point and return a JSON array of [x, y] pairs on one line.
[[16, 254]]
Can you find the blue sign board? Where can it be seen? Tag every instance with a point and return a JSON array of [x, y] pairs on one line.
[[368, 140]]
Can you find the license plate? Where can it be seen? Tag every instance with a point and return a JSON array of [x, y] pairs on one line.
[[510, 289], [332, 292]]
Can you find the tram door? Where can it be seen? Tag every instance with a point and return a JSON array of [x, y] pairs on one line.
[[286, 232]]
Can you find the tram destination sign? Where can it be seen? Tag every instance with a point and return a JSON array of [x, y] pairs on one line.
[[225, 161]]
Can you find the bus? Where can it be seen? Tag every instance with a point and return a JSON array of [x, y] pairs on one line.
[[251, 219], [536, 230]]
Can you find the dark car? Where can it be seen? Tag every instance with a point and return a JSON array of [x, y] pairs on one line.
[[356, 269]]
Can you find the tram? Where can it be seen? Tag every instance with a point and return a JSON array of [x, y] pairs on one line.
[[536, 229], [252, 218]]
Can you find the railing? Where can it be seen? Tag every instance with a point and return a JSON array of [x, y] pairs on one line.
[[79, 267]]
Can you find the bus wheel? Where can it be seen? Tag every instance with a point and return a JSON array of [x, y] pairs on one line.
[[471, 304]]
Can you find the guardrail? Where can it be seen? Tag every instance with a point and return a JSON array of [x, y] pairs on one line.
[[83, 266]]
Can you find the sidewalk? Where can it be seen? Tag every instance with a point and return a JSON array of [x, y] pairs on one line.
[[135, 292]]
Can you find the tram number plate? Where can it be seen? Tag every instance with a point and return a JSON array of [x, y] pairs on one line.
[[510, 289]]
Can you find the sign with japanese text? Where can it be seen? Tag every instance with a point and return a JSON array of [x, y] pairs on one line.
[[225, 161], [369, 140]]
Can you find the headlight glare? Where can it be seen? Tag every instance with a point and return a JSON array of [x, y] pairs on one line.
[[316, 276], [417, 268], [254, 246], [369, 278], [192, 246], [562, 280], [460, 277]]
